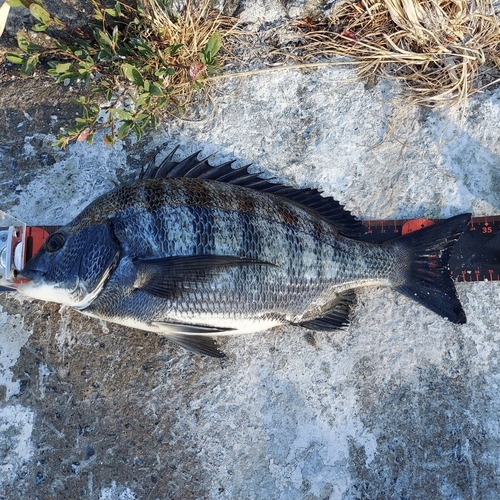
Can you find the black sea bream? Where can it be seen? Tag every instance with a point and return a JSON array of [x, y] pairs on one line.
[[192, 251]]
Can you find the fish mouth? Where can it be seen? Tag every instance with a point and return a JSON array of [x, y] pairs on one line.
[[27, 273], [32, 277]]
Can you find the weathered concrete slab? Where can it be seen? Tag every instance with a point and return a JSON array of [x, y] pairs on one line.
[[401, 405]]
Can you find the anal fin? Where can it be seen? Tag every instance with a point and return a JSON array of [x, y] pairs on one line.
[[336, 317]]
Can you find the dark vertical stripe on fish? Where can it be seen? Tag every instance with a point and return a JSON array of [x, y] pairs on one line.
[[250, 236], [287, 214], [153, 196], [199, 194], [293, 250], [318, 251], [203, 229]]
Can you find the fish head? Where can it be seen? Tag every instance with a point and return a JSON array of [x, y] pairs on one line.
[[72, 266]]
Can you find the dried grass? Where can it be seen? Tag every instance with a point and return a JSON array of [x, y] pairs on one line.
[[439, 48]]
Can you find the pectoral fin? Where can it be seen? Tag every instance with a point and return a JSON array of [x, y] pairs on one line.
[[169, 276], [336, 317]]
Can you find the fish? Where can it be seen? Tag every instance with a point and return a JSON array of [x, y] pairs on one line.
[[193, 251]]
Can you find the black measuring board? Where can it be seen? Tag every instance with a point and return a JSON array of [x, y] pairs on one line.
[[475, 256]]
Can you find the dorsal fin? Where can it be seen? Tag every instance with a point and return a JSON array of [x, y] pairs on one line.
[[326, 207]]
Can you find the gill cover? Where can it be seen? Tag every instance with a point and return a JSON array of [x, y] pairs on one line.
[[72, 267]]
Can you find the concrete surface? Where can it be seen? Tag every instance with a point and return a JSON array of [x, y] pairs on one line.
[[402, 405]]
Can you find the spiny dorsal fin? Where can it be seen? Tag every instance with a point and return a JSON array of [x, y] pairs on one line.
[[326, 207]]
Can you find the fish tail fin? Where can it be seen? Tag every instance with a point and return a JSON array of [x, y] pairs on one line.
[[424, 274]]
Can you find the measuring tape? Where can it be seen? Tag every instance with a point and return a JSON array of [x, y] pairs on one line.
[[475, 256]]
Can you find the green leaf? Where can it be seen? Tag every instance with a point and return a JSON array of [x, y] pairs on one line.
[[164, 72], [108, 139], [155, 89], [63, 67], [35, 47], [22, 43], [124, 130], [39, 13], [29, 65], [211, 69], [104, 55], [207, 55], [15, 3], [84, 67], [14, 58], [132, 74], [90, 138], [144, 49], [121, 114], [61, 141], [115, 35], [103, 38], [39, 27], [124, 49], [84, 44], [138, 131], [143, 100], [214, 44], [173, 50]]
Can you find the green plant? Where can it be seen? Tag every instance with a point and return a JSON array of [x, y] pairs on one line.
[[140, 58]]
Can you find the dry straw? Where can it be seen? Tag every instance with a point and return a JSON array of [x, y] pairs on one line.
[[439, 48]]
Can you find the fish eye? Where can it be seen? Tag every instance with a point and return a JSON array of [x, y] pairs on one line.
[[55, 242]]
